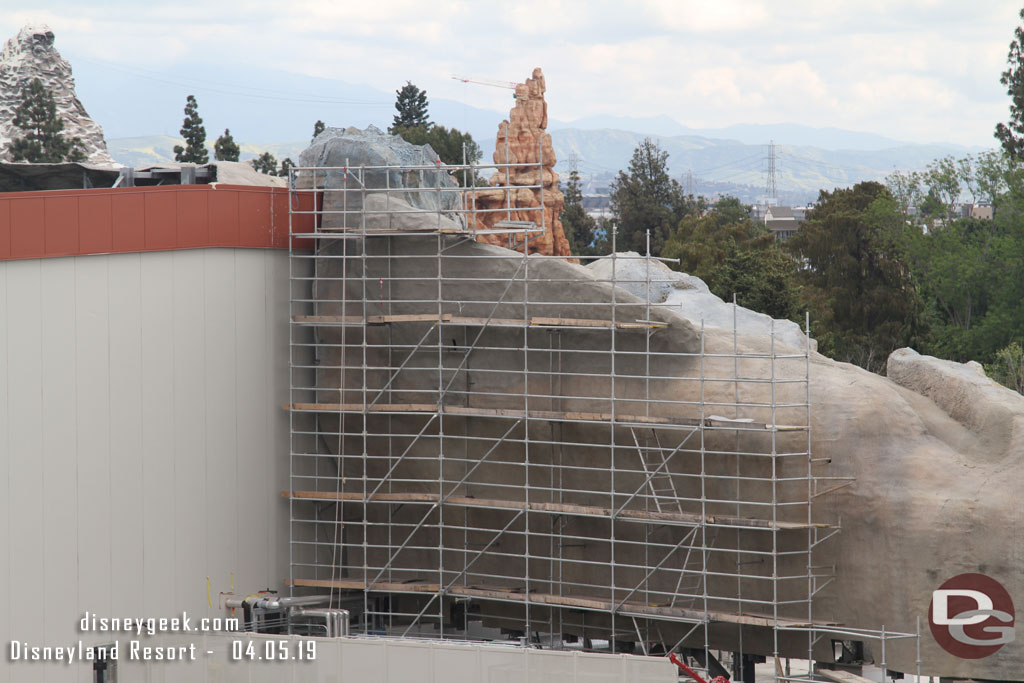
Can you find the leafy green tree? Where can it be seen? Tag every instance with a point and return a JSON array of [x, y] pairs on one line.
[[1008, 367], [855, 275], [43, 141], [225, 148], [735, 255], [448, 144], [580, 227], [286, 165], [702, 243], [318, 128], [763, 280], [645, 199], [411, 104], [194, 151], [1011, 134], [969, 273], [265, 163]]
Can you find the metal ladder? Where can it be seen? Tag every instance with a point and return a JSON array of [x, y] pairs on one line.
[[666, 499]]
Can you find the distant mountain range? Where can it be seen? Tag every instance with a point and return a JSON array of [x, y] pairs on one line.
[[800, 169], [153, 150], [270, 105]]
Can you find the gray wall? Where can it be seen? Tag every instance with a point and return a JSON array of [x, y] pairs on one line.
[[142, 443]]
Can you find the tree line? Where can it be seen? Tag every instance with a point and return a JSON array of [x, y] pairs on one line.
[[878, 266]]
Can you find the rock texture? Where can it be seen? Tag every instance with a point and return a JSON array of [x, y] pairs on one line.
[[925, 467], [31, 54], [523, 139], [691, 298], [389, 193]]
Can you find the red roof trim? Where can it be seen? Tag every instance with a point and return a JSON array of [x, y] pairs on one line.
[[133, 219]]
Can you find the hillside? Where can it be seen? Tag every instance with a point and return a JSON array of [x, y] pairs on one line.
[[717, 165]]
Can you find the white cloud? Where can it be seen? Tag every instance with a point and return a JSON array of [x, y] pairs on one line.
[[918, 69]]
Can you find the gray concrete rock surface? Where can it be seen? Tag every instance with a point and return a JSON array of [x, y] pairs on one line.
[[927, 465]]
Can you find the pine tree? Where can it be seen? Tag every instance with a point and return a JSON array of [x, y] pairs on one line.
[[265, 163], [225, 148], [578, 225], [1011, 135], [646, 199], [194, 151], [411, 103], [286, 164], [42, 141], [318, 128]]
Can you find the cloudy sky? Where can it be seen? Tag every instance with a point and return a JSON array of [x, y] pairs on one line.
[[916, 70]]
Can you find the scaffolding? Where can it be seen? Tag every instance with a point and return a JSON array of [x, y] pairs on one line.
[[482, 439]]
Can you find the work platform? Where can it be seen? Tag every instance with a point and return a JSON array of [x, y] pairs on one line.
[[478, 436]]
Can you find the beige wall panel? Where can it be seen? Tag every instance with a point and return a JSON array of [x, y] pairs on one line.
[[89, 384], [141, 438], [159, 528], [191, 507], [25, 492], [62, 470], [5, 454], [222, 421], [127, 496], [255, 463]]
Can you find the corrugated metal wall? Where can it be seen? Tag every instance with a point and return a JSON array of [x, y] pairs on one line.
[[142, 443]]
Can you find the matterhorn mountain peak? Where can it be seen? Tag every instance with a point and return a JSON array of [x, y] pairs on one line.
[[31, 54]]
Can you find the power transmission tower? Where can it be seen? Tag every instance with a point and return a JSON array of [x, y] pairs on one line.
[[689, 183], [573, 161], [771, 189]]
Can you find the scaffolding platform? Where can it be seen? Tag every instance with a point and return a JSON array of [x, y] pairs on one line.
[[650, 516], [457, 439]]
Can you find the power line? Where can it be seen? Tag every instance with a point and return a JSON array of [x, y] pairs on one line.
[[771, 189]]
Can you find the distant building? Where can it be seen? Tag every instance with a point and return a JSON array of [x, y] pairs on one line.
[[777, 213], [782, 221], [597, 205], [979, 211]]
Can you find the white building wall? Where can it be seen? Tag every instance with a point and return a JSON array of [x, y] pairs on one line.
[[372, 660], [142, 443]]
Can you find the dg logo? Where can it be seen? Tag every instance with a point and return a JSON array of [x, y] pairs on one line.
[[971, 616]]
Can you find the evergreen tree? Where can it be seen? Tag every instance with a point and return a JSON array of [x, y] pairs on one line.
[[578, 225], [225, 148], [411, 103], [194, 151], [318, 128], [42, 141], [448, 143], [855, 274], [265, 163], [1011, 135], [645, 199], [285, 166]]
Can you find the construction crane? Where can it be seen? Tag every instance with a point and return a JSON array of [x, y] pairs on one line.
[[489, 81]]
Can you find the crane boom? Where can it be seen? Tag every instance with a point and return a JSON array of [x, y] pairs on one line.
[[487, 81]]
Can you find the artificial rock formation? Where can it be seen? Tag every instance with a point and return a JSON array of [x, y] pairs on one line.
[[387, 193], [922, 470], [29, 55], [523, 139]]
